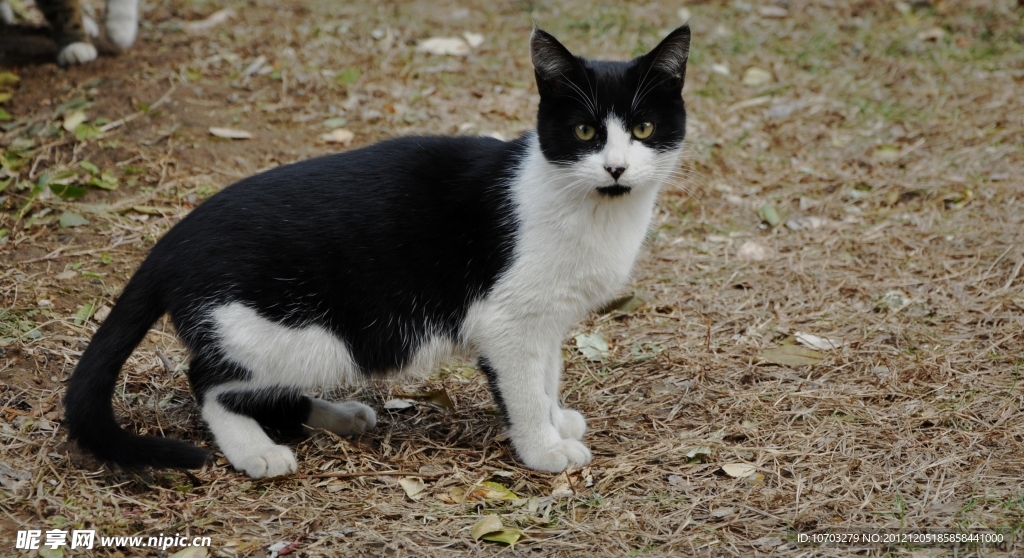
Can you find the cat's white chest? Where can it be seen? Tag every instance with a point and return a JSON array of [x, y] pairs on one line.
[[572, 250]]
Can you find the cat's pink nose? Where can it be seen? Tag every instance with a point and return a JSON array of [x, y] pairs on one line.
[[616, 172]]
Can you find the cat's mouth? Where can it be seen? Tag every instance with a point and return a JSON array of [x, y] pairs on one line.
[[614, 191]]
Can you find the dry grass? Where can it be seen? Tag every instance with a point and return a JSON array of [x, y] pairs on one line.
[[904, 146]]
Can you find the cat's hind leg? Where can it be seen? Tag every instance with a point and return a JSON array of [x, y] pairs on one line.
[[233, 411], [345, 418], [240, 436], [238, 417]]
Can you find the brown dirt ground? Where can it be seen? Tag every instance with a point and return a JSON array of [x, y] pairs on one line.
[[885, 136]]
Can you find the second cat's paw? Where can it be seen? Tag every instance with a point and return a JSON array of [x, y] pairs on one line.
[[90, 26], [271, 461], [570, 424], [347, 418], [567, 453], [76, 53], [122, 22], [6, 13]]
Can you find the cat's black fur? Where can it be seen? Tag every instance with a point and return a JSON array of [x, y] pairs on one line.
[[414, 227]]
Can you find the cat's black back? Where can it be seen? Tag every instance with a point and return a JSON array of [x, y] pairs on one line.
[[415, 228]]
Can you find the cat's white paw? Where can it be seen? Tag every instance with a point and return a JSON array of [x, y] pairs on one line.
[[90, 26], [122, 22], [6, 13], [570, 424], [271, 461], [566, 453], [76, 53], [347, 418]]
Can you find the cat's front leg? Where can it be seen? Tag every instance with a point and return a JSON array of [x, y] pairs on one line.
[[520, 380], [570, 423]]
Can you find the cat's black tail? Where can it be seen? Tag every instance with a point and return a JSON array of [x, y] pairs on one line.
[[88, 407]]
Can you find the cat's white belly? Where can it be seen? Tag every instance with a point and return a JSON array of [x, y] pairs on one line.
[[278, 355], [307, 357]]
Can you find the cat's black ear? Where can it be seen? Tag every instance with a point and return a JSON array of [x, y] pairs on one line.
[[552, 62], [671, 54]]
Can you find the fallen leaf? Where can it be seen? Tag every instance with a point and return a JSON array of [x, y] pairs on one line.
[[755, 77], [73, 119], [229, 133], [67, 191], [83, 313], [484, 492], [333, 123], [815, 342], [89, 166], [769, 215], [347, 76], [791, 355], [624, 304], [738, 470], [213, 20], [699, 452], [723, 512], [684, 15], [489, 528], [47, 552], [413, 486], [506, 536], [887, 153], [593, 346], [339, 135], [720, 69], [65, 275], [453, 46], [397, 404], [561, 488], [69, 219], [7, 79], [86, 131], [892, 300], [486, 524]]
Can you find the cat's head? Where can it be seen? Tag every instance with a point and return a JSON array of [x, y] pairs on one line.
[[615, 126]]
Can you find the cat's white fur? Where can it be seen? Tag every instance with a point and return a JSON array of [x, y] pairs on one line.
[[76, 53], [575, 248], [122, 22], [6, 13]]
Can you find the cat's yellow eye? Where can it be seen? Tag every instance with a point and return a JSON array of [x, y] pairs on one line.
[[643, 130], [585, 132]]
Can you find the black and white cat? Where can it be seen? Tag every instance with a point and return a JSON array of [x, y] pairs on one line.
[[71, 29], [397, 256]]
